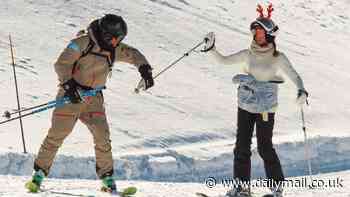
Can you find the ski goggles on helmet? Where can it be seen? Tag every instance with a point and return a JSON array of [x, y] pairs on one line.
[[109, 37], [267, 24]]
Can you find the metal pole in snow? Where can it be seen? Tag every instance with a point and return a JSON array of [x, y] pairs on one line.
[[18, 103], [307, 147]]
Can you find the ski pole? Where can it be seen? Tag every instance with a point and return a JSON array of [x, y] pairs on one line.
[[137, 89], [307, 147], [8, 114], [56, 103], [30, 113], [17, 96]]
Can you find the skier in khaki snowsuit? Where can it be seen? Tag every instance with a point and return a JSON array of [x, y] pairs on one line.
[[85, 65]]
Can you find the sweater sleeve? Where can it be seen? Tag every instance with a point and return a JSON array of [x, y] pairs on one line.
[[235, 58], [288, 69]]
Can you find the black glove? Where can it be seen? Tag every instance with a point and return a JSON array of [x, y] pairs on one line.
[[209, 42], [302, 97], [301, 92], [71, 88], [146, 74]]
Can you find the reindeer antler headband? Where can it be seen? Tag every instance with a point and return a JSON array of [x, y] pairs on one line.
[[269, 10]]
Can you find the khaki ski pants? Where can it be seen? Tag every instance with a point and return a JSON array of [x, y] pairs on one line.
[[92, 114]]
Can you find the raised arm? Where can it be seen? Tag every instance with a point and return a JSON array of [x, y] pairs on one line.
[[235, 58]]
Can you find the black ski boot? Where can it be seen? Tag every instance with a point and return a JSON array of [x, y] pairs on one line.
[[238, 192]]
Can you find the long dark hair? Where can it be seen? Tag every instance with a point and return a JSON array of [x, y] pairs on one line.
[[276, 53]]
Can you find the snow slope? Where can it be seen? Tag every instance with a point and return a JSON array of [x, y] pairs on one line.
[[328, 186], [186, 123]]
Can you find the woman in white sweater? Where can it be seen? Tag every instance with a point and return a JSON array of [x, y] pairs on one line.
[[257, 101]]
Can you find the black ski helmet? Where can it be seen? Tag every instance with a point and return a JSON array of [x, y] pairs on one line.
[[114, 25], [266, 23]]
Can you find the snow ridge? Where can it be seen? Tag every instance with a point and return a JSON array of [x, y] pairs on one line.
[[328, 154]]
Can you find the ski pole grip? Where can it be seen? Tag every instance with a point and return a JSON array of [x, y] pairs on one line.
[[7, 114]]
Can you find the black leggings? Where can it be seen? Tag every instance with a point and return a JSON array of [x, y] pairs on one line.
[[242, 153]]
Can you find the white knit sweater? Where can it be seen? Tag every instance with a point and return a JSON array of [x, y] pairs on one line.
[[261, 63]]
